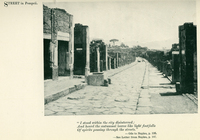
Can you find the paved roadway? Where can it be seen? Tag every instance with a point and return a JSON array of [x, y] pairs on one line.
[[120, 97], [140, 89]]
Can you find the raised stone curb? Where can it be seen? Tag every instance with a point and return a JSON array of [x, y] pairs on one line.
[[63, 93], [191, 97]]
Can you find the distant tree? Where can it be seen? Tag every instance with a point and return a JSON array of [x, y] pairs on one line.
[[114, 40]]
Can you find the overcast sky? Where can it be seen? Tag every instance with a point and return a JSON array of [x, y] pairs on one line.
[[149, 24]]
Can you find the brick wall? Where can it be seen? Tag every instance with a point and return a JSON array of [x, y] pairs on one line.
[[62, 20]]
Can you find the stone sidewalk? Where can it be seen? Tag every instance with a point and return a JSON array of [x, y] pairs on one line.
[[54, 90], [158, 96]]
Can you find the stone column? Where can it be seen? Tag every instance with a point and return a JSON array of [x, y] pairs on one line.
[[109, 63], [175, 66], [187, 45], [71, 46], [98, 59], [117, 61], [114, 63], [106, 57], [53, 46], [87, 65]]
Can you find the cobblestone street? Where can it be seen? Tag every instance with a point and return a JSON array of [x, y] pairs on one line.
[[120, 97]]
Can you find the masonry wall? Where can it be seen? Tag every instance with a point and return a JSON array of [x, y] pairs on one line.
[[187, 42], [62, 20], [57, 27], [81, 49]]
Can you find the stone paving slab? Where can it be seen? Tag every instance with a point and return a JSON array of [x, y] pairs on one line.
[[120, 97], [164, 98], [54, 90], [144, 110], [131, 92]]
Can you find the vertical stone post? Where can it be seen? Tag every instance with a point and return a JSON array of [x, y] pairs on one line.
[[71, 46], [53, 47], [117, 61], [175, 66], [81, 50], [87, 65], [109, 63], [114, 63], [187, 43], [106, 57], [98, 59]]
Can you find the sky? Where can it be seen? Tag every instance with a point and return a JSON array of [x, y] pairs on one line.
[[148, 24]]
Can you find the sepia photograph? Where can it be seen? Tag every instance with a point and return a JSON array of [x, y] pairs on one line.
[[101, 69], [113, 58]]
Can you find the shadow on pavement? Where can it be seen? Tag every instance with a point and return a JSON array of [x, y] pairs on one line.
[[170, 94], [166, 84]]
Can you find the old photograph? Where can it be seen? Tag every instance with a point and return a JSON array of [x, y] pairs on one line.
[[120, 58]]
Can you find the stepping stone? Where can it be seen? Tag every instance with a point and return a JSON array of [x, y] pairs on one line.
[[122, 99], [75, 97]]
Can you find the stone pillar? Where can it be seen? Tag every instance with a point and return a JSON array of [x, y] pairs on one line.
[[53, 47], [109, 63], [87, 65], [71, 46], [98, 59], [187, 44], [114, 63], [106, 57], [175, 66], [81, 50], [117, 61]]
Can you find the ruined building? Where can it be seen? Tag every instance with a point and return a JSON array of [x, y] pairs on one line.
[[58, 43]]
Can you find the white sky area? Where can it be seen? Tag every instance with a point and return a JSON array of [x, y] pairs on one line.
[[148, 24]]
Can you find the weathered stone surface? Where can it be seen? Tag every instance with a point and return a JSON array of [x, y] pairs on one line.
[[95, 80], [122, 99], [76, 97], [117, 110], [144, 110], [57, 109], [62, 20], [128, 111], [100, 100]]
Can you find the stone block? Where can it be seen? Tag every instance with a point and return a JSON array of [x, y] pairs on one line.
[[97, 79]]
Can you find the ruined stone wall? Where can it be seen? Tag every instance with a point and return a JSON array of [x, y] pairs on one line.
[[46, 20], [54, 21], [62, 20], [187, 42], [81, 46]]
